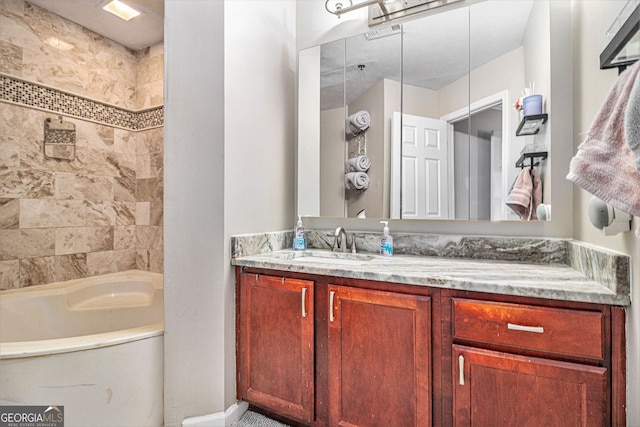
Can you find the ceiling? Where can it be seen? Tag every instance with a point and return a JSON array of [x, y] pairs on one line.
[[138, 33]]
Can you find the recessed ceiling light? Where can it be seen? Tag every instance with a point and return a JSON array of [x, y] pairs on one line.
[[121, 10]]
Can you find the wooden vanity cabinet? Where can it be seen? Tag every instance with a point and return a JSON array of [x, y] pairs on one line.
[[379, 358], [324, 351], [520, 364], [275, 344]]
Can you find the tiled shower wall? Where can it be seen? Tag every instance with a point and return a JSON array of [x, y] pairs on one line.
[[102, 211]]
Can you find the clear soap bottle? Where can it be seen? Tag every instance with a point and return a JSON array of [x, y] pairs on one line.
[[299, 241], [386, 241]]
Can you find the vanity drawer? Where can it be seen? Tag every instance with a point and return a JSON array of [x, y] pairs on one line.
[[552, 330]]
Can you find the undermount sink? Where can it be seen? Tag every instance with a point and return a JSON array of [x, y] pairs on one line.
[[326, 257]]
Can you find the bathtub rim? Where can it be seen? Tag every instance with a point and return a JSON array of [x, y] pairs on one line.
[[24, 349], [157, 280]]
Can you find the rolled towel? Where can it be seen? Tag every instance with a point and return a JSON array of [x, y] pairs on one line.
[[357, 181], [357, 122], [357, 164]]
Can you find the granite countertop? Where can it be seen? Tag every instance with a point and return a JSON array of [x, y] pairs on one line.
[[576, 273]]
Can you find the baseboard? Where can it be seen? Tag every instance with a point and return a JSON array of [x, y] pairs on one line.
[[220, 419]]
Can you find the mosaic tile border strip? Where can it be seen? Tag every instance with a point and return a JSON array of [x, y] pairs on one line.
[[45, 98]]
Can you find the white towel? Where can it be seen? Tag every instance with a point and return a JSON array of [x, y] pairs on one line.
[[357, 122], [357, 181], [604, 164], [357, 164]]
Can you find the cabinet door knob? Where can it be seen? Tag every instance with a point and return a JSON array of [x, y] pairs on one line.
[[461, 369], [331, 297], [535, 329], [304, 302]]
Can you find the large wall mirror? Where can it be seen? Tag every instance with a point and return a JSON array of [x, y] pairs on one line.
[[417, 120]]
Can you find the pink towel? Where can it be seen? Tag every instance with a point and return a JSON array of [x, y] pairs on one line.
[[526, 194], [604, 163], [632, 122]]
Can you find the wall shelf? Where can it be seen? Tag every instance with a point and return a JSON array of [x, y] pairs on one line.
[[619, 52], [531, 156], [530, 125]]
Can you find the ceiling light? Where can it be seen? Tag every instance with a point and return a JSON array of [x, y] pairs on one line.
[[121, 10]]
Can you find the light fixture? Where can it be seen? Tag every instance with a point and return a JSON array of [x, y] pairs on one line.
[[381, 11], [121, 10], [338, 7]]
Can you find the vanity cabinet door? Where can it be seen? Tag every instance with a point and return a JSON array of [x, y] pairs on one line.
[[502, 389], [276, 341], [379, 358]]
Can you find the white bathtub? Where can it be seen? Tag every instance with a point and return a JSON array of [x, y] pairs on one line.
[[93, 345]]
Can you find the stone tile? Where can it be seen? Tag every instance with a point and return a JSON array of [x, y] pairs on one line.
[[125, 164], [98, 163], [150, 260], [9, 213], [9, 274], [143, 213], [100, 213], [125, 213], [143, 166], [83, 187], [149, 189], [26, 243], [125, 259], [156, 261], [150, 141], [150, 165], [124, 141], [156, 213], [9, 154], [149, 237], [124, 189], [11, 59], [40, 271], [124, 237], [101, 263], [46, 213], [69, 267], [83, 239], [24, 183], [143, 260]]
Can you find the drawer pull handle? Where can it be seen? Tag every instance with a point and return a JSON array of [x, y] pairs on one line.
[[461, 368], [304, 302], [332, 294], [535, 329]]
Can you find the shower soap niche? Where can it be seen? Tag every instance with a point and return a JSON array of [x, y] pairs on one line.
[[59, 139]]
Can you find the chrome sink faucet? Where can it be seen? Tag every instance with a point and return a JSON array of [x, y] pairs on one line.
[[341, 241]]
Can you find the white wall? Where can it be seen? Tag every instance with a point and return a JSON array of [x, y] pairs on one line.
[[591, 19], [194, 209], [259, 157], [229, 161]]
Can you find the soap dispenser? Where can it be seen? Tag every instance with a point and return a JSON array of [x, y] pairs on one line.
[[386, 241], [299, 241]]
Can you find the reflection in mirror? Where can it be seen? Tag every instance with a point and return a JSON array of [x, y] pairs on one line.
[[332, 120], [429, 166], [373, 79], [442, 137]]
